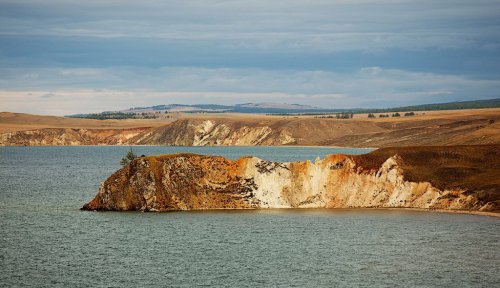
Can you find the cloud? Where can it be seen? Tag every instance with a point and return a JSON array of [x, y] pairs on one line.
[[308, 35], [322, 26], [68, 91], [90, 56]]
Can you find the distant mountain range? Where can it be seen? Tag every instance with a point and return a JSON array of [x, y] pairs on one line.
[[250, 108], [266, 107], [280, 108]]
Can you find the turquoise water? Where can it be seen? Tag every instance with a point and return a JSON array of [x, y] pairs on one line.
[[45, 241]]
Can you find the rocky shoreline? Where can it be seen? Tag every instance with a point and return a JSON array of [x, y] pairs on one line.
[[448, 178]]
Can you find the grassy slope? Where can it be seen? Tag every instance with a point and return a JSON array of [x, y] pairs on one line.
[[10, 122], [475, 168], [469, 127]]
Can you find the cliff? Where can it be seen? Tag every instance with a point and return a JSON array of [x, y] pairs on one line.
[[219, 132], [69, 137], [477, 127], [458, 177]]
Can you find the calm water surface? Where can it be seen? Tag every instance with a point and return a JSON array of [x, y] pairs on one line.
[[45, 241]]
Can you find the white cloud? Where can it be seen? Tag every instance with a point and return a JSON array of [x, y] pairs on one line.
[[67, 91], [323, 26], [304, 37]]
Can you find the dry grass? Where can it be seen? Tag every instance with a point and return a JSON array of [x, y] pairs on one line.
[[10, 122], [475, 168], [472, 127], [480, 126]]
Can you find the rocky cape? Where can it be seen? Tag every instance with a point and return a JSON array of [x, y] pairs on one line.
[[453, 177]]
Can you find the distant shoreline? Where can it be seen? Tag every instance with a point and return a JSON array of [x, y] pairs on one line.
[[218, 146]]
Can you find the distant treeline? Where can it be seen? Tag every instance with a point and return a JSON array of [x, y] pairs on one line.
[[341, 115], [118, 116], [106, 115], [407, 114], [477, 104]]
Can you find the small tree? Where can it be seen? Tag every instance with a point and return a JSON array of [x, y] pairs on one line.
[[371, 115], [128, 158]]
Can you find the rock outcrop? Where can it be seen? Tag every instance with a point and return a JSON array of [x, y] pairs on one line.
[[193, 132], [69, 137], [455, 177]]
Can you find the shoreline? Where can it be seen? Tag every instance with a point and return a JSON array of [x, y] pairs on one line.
[[468, 212], [263, 146], [429, 210]]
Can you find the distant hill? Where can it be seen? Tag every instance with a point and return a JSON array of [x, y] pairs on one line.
[[152, 112], [459, 105], [279, 108], [238, 108], [254, 108]]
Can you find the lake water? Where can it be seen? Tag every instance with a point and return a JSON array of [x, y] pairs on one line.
[[45, 241]]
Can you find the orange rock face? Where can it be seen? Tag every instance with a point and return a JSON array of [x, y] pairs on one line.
[[175, 182], [194, 182]]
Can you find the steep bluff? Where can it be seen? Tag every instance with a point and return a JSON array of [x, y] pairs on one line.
[[458, 177], [69, 136], [196, 132], [277, 131], [180, 133]]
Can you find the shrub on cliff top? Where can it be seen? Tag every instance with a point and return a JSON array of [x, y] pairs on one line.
[[128, 158]]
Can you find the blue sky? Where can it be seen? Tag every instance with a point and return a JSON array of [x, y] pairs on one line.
[[63, 57]]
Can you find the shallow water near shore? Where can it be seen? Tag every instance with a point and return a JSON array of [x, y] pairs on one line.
[[45, 241]]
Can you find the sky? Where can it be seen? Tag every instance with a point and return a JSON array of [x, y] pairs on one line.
[[66, 57]]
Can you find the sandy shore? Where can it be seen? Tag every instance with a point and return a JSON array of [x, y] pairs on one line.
[[360, 209], [470, 212]]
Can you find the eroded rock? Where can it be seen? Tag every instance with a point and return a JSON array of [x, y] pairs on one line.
[[192, 182]]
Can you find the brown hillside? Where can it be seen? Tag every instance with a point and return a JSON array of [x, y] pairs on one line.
[[10, 122], [464, 127], [475, 168]]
